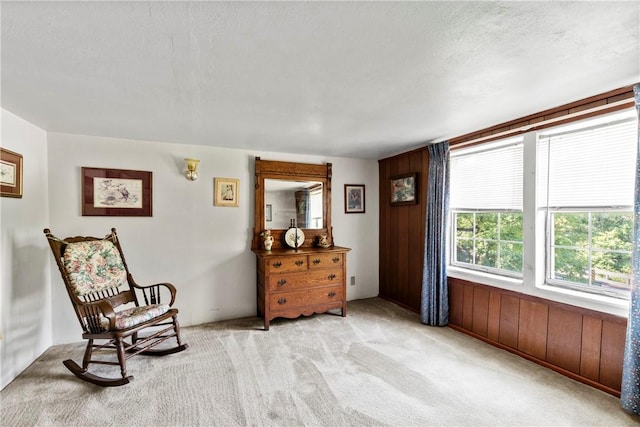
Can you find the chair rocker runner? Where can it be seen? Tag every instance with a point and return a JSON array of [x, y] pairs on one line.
[[112, 307]]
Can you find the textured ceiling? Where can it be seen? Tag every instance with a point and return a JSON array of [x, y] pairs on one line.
[[352, 79]]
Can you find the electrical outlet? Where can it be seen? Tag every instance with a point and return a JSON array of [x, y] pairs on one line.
[[353, 280]]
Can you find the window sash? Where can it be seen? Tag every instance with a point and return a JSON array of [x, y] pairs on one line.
[[499, 241], [594, 279]]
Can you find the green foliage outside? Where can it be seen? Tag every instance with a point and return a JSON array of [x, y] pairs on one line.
[[497, 237], [604, 238], [588, 247]]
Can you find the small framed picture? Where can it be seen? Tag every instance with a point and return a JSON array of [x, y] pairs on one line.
[[403, 189], [354, 198], [116, 192], [225, 192], [10, 174], [267, 213]]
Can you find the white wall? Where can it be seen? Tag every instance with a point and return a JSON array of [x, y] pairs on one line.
[[203, 249], [25, 287]]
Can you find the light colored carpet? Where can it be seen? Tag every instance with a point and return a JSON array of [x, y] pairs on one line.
[[377, 366]]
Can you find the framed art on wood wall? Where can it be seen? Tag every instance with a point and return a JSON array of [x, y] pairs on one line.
[[116, 192], [354, 198], [403, 189], [225, 192], [10, 174]]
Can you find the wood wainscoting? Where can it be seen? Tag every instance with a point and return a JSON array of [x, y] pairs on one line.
[[585, 345]]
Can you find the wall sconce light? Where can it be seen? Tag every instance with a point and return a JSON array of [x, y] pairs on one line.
[[192, 165]]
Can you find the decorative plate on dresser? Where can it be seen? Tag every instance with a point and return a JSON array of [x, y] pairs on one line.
[[296, 277], [291, 235]]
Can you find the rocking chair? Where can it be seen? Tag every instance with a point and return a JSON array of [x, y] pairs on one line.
[[107, 302]]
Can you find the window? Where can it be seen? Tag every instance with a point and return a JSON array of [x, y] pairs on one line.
[[570, 187], [585, 189], [316, 206], [487, 212]]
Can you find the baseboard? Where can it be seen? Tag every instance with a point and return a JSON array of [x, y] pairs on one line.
[[400, 304]]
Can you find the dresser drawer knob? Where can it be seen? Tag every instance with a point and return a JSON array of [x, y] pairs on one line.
[[332, 276], [331, 294], [277, 264], [316, 261], [282, 282], [282, 301], [299, 262], [335, 259]]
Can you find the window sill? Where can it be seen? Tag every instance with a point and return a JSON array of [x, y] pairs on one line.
[[608, 304], [484, 278]]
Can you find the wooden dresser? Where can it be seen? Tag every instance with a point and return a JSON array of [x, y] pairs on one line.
[[294, 283]]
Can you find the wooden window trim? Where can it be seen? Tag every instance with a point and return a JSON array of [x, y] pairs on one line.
[[608, 102]]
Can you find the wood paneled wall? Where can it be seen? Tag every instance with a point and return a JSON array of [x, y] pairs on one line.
[[582, 344], [585, 345], [402, 231]]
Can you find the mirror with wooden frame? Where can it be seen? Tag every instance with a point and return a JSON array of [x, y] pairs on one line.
[[287, 193]]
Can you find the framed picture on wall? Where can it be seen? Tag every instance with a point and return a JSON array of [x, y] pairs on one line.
[[267, 213], [116, 192], [354, 198], [404, 189], [225, 192], [10, 174]]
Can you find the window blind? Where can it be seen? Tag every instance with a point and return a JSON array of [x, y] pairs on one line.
[[488, 177], [593, 166]]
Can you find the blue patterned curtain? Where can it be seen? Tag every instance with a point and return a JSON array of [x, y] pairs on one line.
[[303, 208], [630, 396], [434, 308]]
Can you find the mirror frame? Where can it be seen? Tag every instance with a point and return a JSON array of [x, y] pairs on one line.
[[291, 171]]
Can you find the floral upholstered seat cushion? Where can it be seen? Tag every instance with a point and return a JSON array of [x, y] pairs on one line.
[[135, 316], [94, 266]]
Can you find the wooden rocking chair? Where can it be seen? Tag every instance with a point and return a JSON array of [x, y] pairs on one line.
[[107, 302]]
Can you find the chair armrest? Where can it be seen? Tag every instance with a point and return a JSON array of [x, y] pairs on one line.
[[93, 313], [151, 293]]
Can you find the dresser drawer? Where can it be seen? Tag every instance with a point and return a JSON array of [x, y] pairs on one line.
[[286, 300], [311, 279], [325, 260], [286, 264]]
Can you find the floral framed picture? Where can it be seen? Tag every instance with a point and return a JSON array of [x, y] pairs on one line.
[[10, 174], [225, 192], [354, 198], [404, 189], [116, 192]]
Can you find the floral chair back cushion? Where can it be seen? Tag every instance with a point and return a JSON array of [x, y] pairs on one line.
[[94, 266]]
